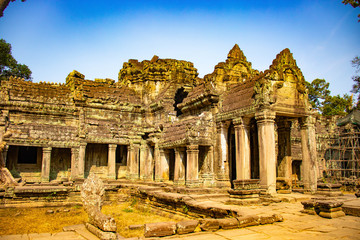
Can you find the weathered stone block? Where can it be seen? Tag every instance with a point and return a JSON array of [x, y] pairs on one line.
[[219, 213], [101, 234], [270, 219], [184, 227], [160, 229], [247, 221], [209, 224], [228, 223], [331, 214]]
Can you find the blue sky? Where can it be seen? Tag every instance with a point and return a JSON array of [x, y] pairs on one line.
[[54, 37]]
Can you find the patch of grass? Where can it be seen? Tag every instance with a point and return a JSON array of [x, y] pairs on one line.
[[124, 219], [36, 220]]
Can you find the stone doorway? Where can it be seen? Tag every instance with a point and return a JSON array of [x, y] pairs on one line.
[[96, 160], [60, 163], [121, 161], [232, 154], [25, 162], [254, 151], [171, 159]]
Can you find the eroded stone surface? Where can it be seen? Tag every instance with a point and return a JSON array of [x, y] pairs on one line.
[[159, 229], [92, 193], [184, 227]]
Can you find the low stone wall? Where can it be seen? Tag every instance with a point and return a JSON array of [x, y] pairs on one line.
[[208, 224]]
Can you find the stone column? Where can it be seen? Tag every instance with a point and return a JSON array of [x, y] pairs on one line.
[[208, 175], [81, 163], [242, 148], [157, 163], [5, 150], [45, 165], [284, 150], [267, 156], [179, 174], [74, 163], [142, 160], [192, 171], [112, 161], [223, 164], [148, 164], [133, 163], [164, 165], [309, 153]]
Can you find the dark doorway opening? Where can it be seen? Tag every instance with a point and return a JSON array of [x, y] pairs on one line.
[[27, 155], [180, 95], [232, 154]]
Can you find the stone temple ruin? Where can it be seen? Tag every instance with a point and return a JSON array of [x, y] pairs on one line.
[[236, 127]]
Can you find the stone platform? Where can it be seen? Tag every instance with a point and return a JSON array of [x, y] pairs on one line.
[[296, 225]]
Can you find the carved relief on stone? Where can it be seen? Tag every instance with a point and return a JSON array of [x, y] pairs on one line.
[[284, 68], [92, 196], [263, 91]]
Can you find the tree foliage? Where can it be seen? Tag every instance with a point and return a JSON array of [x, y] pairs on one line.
[[337, 105], [318, 92], [353, 3], [9, 66], [327, 105]]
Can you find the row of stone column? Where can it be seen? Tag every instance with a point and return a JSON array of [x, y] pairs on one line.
[[155, 162], [266, 148], [77, 162], [142, 161]]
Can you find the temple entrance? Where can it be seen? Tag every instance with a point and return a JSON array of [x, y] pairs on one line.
[[171, 162], [25, 162], [121, 161], [232, 154], [60, 163], [96, 159], [254, 149]]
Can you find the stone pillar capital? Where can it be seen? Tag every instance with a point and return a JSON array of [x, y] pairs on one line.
[[241, 121], [192, 148], [222, 124], [306, 122], [83, 144], [74, 150], [265, 117], [46, 149], [112, 147]]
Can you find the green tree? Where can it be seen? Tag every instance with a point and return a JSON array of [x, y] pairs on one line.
[[9, 66], [318, 92], [353, 3], [356, 87], [337, 105]]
